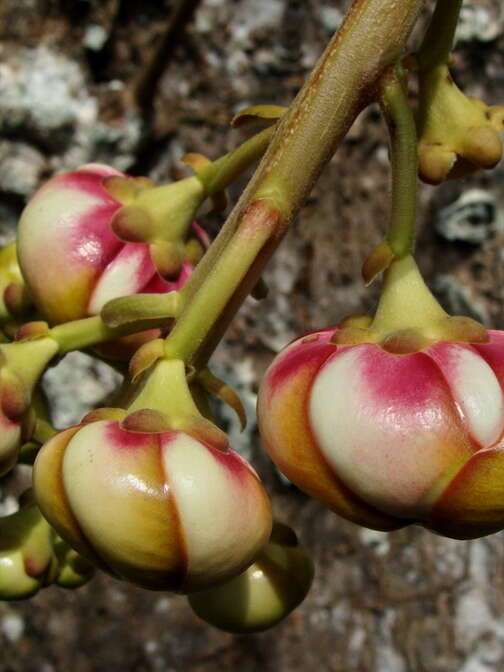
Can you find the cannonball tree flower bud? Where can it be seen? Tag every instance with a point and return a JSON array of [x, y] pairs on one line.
[[457, 135], [265, 593], [32, 556], [95, 234], [21, 365], [395, 420], [154, 494], [27, 562]]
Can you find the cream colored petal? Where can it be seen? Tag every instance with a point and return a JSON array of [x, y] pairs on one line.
[[128, 273], [388, 427], [116, 489], [223, 509], [475, 388]]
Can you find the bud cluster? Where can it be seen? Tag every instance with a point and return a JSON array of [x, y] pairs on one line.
[[392, 420], [32, 556]]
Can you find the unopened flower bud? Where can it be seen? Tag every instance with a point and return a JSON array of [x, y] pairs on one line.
[[21, 365], [27, 562], [14, 296], [406, 426], [457, 135], [157, 499], [32, 557], [265, 593], [94, 234]]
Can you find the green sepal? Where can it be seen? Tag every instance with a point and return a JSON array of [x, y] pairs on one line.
[[141, 307], [224, 392], [257, 114]]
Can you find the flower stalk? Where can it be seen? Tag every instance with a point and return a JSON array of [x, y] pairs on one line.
[[439, 38], [403, 158], [371, 39]]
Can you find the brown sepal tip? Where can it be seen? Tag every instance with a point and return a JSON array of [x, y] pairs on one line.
[[99, 414], [203, 430], [146, 421], [404, 342], [124, 189], [167, 257], [225, 393], [16, 298], [195, 161], [378, 261], [145, 357], [32, 330], [14, 397]]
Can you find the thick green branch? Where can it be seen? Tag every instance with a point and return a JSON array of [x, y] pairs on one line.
[[372, 38]]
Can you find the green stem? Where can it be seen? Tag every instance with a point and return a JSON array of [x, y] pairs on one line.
[[230, 271], [81, 334], [171, 208], [372, 37], [403, 158], [221, 173], [439, 38]]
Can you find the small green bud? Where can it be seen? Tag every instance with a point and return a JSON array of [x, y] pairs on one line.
[[259, 598]]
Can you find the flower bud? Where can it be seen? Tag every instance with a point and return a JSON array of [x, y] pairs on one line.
[[259, 598], [21, 365], [397, 427], [27, 562], [160, 500], [94, 234], [31, 556], [457, 135]]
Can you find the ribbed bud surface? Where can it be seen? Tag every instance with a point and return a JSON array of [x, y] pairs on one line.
[[387, 439]]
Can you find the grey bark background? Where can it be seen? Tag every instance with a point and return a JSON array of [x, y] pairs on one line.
[[403, 602]]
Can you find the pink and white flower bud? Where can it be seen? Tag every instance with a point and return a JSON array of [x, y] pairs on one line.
[[70, 257], [174, 509], [388, 439]]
